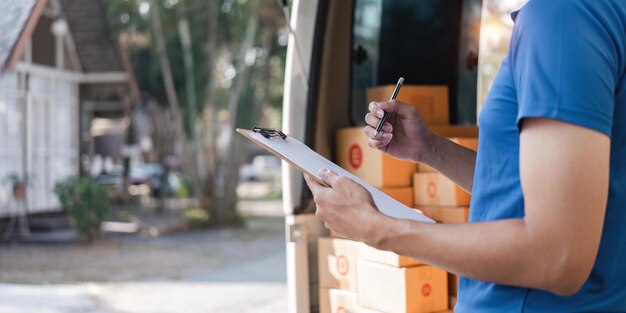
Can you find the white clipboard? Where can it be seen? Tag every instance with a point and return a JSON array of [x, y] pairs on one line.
[[310, 162]]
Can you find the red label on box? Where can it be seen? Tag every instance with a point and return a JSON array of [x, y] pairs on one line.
[[432, 189], [355, 156], [343, 267], [426, 289]]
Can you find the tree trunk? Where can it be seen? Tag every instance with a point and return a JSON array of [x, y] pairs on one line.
[[208, 128], [168, 81], [231, 160], [185, 38]]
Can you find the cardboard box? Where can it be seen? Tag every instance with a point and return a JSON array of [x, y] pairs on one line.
[[403, 194], [370, 254], [421, 167], [324, 297], [453, 284], [398, 290], [431, 101], [436, 189], [340, 301], [446, 215], [471, 143], [455, 131], [337, 263], [369, 164]]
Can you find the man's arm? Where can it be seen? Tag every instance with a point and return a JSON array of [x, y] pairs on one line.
[[452, 160], [564, 174]]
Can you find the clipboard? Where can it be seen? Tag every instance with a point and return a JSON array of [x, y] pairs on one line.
[[310, 162]]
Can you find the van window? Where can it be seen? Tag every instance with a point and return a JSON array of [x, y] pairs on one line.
[[418, 40]]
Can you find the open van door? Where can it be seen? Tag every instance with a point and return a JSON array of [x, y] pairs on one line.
[[300, 225], [337, 50]]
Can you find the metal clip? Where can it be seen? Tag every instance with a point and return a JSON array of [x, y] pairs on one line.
[[269, 132]]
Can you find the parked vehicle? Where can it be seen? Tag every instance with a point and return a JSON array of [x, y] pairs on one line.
[[261, 168], [338, 49]]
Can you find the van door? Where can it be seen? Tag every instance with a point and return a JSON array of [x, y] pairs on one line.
[[303, 16]]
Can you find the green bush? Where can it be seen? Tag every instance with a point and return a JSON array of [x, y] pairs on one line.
[[86, 204]]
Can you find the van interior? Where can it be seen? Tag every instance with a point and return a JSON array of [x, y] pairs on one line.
[[348, 46]]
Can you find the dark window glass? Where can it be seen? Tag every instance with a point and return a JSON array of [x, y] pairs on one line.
[[418, 40]]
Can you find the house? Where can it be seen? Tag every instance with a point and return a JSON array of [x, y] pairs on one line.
[[59, 68]]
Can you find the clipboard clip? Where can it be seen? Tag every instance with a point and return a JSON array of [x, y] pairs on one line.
[[269, 133]]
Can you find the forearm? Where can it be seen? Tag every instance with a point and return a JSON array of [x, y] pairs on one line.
[[452, 160], [503, 252]]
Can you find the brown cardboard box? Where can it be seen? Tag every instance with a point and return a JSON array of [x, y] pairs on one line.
[[403, 194], [421, 167], [369, 164], [341, 301], [446, 215], [324, 300], [455, 131], [453, 284], [390, 289], [471, 143], [370, 254], [431, 101], [436, 189], [337, 263]]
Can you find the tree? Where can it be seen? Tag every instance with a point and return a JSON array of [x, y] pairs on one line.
[[237, 43]]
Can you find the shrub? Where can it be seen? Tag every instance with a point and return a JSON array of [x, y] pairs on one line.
[[86, 204]]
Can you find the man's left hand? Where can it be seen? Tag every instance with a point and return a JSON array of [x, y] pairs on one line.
[[346, 207]]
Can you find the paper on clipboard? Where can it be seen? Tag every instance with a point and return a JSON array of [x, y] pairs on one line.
[[308, 161]]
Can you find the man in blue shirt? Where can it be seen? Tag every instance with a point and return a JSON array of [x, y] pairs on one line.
[[547, 225]]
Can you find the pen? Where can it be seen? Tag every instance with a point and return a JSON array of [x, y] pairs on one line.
[[393, 97]]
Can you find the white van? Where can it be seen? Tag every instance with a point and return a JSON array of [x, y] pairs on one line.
[[338, 49]]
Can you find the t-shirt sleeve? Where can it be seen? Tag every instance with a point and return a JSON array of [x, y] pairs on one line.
[[564, 63]]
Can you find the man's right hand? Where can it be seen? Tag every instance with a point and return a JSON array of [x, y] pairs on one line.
[[405, 134]]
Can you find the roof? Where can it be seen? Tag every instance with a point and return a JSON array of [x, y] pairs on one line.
[[17, 21], [88, 24]]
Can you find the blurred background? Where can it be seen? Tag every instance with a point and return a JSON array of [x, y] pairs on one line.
[[138, 98], [123, 187]]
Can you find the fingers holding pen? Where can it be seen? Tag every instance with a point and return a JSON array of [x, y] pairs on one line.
[[373, 121], [381, 140], [375, 109]]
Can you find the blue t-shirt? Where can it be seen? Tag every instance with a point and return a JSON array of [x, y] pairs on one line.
[[566, 62]]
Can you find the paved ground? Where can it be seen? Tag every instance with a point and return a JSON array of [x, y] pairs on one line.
[[228, 270]]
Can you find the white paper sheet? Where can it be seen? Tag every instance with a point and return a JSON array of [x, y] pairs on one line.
[[309, 161]]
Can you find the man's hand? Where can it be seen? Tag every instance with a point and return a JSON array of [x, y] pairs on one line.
[[405, 134], [345, 207]]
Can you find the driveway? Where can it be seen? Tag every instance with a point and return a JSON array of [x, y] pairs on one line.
[[226, 270]]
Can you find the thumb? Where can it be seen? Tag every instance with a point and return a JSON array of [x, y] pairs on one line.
[[330, 178]]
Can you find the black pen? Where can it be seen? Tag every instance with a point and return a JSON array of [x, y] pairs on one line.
[[393, 97]]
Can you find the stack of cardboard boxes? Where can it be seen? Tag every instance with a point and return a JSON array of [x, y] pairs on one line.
[[357, 278], [440, 199]]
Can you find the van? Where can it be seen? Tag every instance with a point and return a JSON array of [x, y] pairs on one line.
[[337, 50]]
